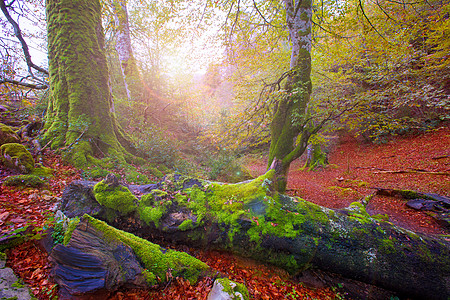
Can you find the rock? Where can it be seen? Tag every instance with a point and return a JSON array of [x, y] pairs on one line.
[[90, 263], [112, 181], [7, 135], [225, 289], [17, 157], [10, 285], [78, 199]]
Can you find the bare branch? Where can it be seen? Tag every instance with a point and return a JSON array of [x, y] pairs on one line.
[[24, 84], [18, 34], [368, 20], [236, 18], [203, 14], [262, 16]]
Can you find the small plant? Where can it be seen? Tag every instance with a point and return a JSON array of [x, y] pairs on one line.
[[58, 232]]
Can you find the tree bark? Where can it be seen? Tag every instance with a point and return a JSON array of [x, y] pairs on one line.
[[130, 72], [294, 234], [81, 107], [289, 135]]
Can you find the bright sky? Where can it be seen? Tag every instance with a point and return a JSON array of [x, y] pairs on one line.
[[193, 56]]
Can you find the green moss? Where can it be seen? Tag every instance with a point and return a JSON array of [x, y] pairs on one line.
[[153, 206], [231, 205], [18, 284], [7, 135], [304, 16], [117, 198], [226, 203], [305, 32], [388, 245], [136, 178], [70, 228], [234, 289], [42, 171], [24, 181], [344, 192], [151, 214], [150, 277], [381, 217], [160, 263], [186, 225], [407, 194], [156, 172], [97, 172], [79, 154], [17, 157]]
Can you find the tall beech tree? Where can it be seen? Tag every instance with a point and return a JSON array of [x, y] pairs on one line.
[[80, 114], [289, 131], [291, 124], [130, 72]]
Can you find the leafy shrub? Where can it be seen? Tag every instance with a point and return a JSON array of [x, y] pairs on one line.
[[155, 144], [225, 166]]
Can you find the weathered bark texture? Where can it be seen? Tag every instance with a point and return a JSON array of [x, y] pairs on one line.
[[289, 135], [90, 263], [99, 259], [80, 113], [288, 232], [128, 66]]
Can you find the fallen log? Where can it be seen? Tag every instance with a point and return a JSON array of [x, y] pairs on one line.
[[97, 259], [250, 220]]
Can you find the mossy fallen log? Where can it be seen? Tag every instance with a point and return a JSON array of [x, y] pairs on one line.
[[289, 232], [97, 258]]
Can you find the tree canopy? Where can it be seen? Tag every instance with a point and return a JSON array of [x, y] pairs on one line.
[[221, 69]]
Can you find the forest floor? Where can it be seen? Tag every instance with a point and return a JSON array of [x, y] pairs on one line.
[[417, 162], [354, 171]]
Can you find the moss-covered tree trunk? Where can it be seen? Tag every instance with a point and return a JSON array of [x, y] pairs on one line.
[[80, 112], [130, 72], [289, 137], [250, 220]]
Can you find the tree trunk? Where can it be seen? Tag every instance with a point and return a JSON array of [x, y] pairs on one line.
[[80, 112], [289, 137], [130, 72], [294, 234]]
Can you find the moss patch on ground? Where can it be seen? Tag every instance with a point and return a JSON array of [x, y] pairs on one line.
[[7, 135], [24, 181], [16, 156]]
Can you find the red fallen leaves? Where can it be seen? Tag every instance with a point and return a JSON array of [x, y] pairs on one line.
[[28, 210], [30, 264], [262, 282], [353, 166]]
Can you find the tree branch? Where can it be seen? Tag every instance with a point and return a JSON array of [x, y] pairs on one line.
[[18, 34], [24, 84], [368, 20], [262, 16]]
